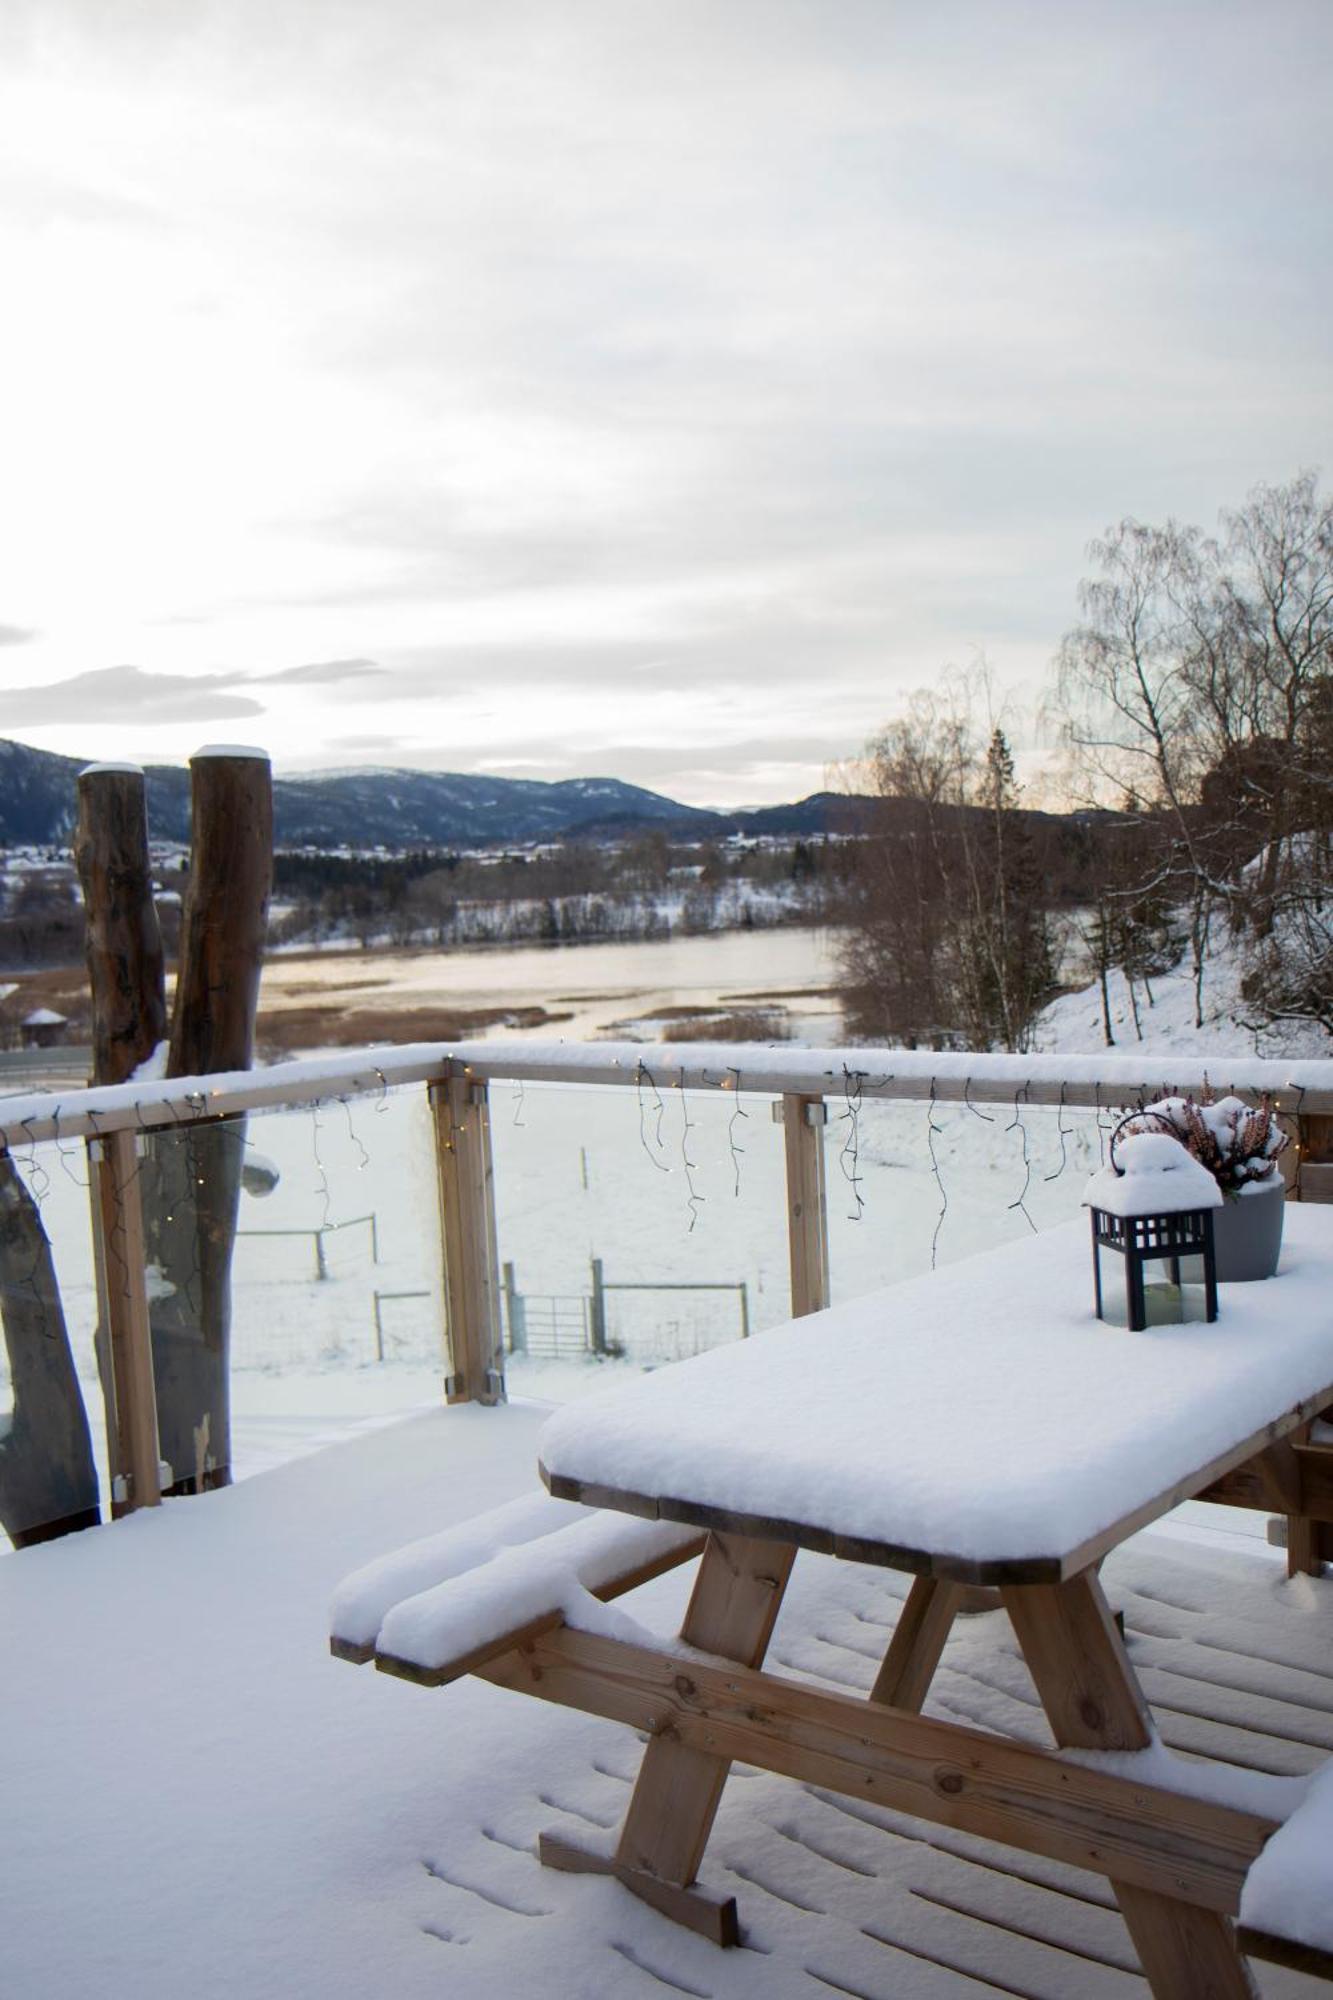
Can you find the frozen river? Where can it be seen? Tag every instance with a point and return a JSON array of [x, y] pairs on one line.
[[598, 986]]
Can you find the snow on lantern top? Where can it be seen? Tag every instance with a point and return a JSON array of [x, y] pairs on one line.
[[1151, 1174]]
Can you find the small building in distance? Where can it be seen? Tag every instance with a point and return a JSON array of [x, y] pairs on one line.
[[43, 1028]]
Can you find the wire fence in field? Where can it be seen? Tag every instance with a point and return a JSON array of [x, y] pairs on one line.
[[647, 1321]]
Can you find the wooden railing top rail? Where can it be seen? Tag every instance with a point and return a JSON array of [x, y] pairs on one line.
[[1091, 1081]]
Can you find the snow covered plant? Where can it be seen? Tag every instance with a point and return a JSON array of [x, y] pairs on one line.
[[1239, 1143]]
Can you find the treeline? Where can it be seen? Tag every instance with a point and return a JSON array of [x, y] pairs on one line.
[[1194, 702], [572, 893], [950, 937]]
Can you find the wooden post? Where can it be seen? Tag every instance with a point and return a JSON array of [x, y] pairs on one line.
[[125, 978], [123, 1297], [515, 1313], [1309, 1177], [226, 912], [807, 1211], [193, 1177], [123, 941], [461, 1111], [597, 1310]]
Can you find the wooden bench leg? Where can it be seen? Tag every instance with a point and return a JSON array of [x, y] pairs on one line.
[[1093, 1702], [736, 1599], [924, 1624]]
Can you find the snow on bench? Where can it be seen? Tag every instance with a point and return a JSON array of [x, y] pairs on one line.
[[1286, 1908], [443, 1606]]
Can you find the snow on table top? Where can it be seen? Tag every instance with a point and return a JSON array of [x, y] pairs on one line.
[[981, 1412]]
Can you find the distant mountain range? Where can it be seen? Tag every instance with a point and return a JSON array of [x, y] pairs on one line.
[[405, 809]]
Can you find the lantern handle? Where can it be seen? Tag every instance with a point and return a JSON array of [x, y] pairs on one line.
[[1160, 1123]]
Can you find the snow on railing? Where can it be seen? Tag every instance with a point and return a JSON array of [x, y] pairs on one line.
[[1297, 1088]]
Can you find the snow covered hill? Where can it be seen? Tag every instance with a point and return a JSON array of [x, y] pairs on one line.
[[372, 807], [1166, 1015]]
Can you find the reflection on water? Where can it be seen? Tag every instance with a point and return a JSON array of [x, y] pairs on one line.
[[597, 985]]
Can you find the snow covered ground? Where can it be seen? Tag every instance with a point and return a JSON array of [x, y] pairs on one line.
[[198, 1799], [1166, 1010]]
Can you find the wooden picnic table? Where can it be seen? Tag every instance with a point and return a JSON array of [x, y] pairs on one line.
[[975, 1427]]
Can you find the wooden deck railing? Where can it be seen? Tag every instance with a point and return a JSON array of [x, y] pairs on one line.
[[457, 1079]]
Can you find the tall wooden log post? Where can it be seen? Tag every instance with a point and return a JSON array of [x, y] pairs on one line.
[[124, 943], [125, 977], [196, 1171]]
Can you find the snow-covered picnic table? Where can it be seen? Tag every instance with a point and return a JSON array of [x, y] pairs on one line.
[[978, 1423], [975, 1426]]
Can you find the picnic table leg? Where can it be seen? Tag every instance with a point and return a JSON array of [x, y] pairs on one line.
[[737, 1595], [1092, 1700], [924, 1624]]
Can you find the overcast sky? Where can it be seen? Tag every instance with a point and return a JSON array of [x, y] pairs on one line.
[[661, 390]]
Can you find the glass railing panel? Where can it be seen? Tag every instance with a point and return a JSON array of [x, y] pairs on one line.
[[53, 1453], [337, 1316], [916, 1184], [636, 1226]]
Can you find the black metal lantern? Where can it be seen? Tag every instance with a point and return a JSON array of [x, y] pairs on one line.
[[1153, 1204]]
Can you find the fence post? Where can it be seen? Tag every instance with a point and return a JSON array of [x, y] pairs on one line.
[[132, 1441], [597, 1310], [461, 1115], [515, 1313], [802, 1120]]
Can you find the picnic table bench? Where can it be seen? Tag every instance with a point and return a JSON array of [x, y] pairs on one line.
[[981, 1428]]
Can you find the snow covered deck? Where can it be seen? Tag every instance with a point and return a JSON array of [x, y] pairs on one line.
[[198, 1799]]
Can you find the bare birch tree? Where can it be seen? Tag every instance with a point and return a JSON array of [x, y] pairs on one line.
[[1198, 683]]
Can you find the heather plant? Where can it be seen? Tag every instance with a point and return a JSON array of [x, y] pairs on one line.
[[1239, 1143]]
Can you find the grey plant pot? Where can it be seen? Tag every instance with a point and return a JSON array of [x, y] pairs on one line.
[[1247, 1232]]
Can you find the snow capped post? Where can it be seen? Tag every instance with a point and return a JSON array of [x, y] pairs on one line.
[[1153, 1204], [123, 941], [226, 910]]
